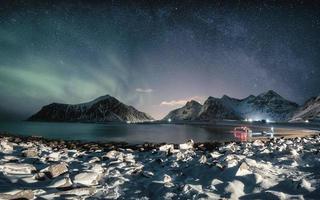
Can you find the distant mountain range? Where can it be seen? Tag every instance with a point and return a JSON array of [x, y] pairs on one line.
[[309, 111], [103, 109], [268, 105]]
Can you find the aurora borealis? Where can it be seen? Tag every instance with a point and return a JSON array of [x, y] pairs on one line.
[[154, 55]]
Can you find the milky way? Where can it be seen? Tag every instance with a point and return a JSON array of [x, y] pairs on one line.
[[153, 55]]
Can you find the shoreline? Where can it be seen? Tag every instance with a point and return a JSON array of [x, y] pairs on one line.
[[92, 145], [35, 167]]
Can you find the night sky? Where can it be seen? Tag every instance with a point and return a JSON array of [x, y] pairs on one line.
[[154, 55]]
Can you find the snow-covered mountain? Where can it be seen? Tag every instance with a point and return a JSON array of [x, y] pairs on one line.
[[309, 111], [268, 105], [188, 112], [103, 109], [215, 108]]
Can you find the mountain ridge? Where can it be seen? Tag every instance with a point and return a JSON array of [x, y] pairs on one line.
[[268, 105], [310, 110], [102, 109]]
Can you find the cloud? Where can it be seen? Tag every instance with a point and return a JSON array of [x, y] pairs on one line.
[[149, 90], [181, 102]]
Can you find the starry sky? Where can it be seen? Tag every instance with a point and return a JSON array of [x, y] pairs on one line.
[[155, 55]]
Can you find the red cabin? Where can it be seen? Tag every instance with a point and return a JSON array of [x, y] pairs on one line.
[[242, 133]]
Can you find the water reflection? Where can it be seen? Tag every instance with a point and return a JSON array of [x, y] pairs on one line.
[[131, 133]]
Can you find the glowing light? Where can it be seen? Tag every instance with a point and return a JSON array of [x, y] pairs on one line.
[[267, 120], [250, 120], [306, 121], [169, 120], [128, 122]]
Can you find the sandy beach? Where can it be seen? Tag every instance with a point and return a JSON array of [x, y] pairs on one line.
[[35, 168]]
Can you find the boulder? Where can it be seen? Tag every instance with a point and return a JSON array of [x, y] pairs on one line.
[[30, 153], [167, 180], [307, 185], [215, 182], [57, 169], [55, 156], [88, 191], [6, 147], [203, 159], [87, 178], [61, 182], [187, 145], [235, 189], [190, 188], [243, 169], [40, 176], [294, 153], [129, 158], [258, 143], [166, 147], [94, 159], [147, 174], [97, 168], [17, 168], [232, 147], [10, 158], [23, 194], [215, 154], [114, 155]]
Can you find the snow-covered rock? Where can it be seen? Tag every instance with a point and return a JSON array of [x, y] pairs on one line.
[[167, 180], [17, 168], [87, 178], [61, 182], [6, 147], [186, 146], [258, 143], [187, 173], [235, 189], [148, 174], [166, 147], [243, 169], [113, 154], [55, 170], [54, 156], [85, 191], [203, 159], [22, 194], [30, 153]]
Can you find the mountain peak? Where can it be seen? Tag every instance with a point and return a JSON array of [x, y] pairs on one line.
[[188, 112], [192, 102], [212, 98], [250, 97], [226, 97], [107, 96], [101, 98], [270, 93]]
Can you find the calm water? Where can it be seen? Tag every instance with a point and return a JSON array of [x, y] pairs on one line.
[[131, 133]]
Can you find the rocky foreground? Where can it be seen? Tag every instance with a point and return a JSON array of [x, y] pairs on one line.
[[32, 168]]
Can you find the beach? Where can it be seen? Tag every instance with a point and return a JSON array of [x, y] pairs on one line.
[[277, 168]]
